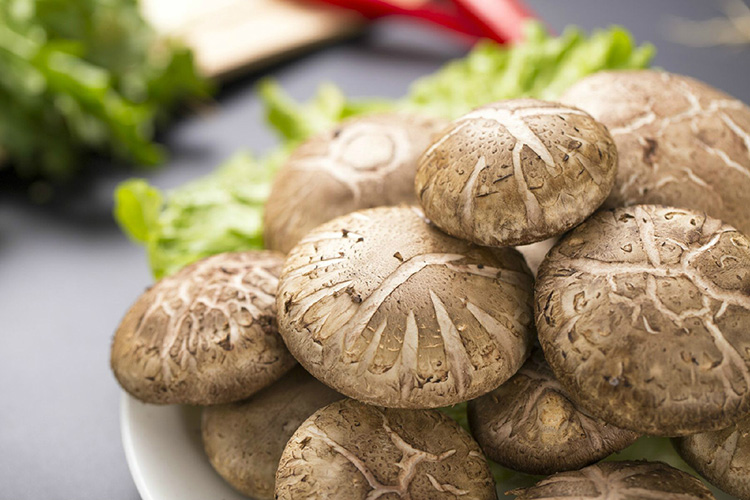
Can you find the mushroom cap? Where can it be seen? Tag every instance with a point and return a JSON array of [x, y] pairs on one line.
[[530, 424], [516, 172], [385, 308], [352, 451], [244, 440], [681, 142], [643, 315], [626, 480], [722, 457], [205, 335], [364, 162]]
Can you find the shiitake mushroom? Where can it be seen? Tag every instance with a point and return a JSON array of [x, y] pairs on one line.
[[643, 315], [722, 457], [639, 480], [352, 451], [205, 335], [681, 142], [387, 309], [244, 440], [531, 424], [363, 162], [516, 172]]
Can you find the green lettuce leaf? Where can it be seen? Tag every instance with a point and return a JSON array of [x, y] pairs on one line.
[[223, 211], [295, 122], [542, 67], [137, 207]]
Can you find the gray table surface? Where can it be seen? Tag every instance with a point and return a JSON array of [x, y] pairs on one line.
[[67, 274]]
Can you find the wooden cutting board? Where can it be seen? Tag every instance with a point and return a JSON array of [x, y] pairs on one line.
[[229, 36]]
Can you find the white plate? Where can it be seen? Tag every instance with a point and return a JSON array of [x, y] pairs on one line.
[[165, 454]]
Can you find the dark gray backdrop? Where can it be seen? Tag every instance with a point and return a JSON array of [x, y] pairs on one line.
[[67, 274]]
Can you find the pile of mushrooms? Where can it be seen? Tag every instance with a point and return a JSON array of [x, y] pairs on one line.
[[402, 292]]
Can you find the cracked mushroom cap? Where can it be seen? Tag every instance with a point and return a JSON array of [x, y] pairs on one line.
[[516, 172], [530, 424], [643, 315], [205, 335], [352, 451], [364, 162], [722, 457], [681, 142], [244, 440], [619, 480], [387, 309]]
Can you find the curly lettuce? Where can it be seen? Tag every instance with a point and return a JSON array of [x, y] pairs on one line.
[[217, 213], [541, 67]]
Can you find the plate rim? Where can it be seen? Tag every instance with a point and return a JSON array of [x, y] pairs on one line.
[[126, 434]]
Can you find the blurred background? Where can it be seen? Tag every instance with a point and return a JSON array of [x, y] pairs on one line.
[[94, 92]]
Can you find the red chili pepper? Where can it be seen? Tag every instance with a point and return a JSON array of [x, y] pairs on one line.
[[499, 20]]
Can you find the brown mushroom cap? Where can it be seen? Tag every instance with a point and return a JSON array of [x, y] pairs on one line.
[[722, 457], [530, 424], [364, 162], [516, 172], [625, 480], [205, 335], [352, 451], [387, 309], [244, 441], [643, 315], [681, 142]]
